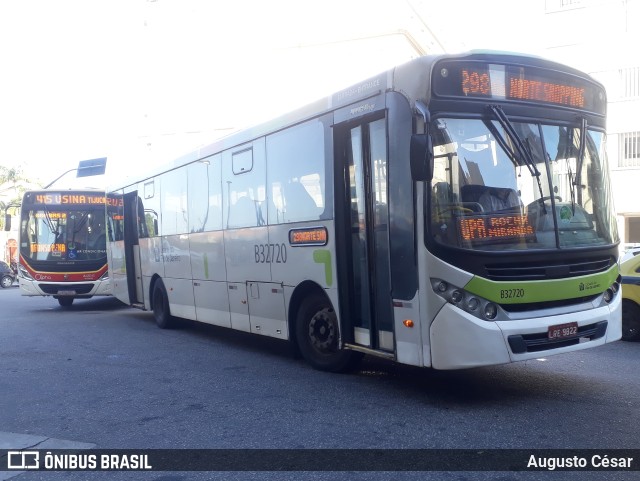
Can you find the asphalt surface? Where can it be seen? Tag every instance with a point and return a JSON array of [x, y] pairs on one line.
[[103, 375]]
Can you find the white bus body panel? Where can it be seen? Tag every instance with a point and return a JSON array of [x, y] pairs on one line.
[[238, 306], [212, 302], [177, 275], [118, 271], [266, 309], [408, 340], [151, 264], [210, 279], [240, 254], [295, 264]]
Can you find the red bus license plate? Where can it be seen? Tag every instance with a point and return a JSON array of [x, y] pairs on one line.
[[560, 331]]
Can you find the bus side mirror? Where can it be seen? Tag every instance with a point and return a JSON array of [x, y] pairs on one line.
[[421, 157], [7, 222]]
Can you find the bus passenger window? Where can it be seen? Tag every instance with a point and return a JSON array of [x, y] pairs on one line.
[[244, 189], [296, 174]]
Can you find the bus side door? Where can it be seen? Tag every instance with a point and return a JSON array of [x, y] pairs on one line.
[[363, 246]]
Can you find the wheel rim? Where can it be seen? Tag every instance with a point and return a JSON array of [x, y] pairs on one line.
[[323, 331], [7, 281]]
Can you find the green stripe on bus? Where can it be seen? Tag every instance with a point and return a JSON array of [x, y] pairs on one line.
[[323, 256], [541, 291]]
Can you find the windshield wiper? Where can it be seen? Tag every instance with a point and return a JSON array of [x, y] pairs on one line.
[[522, 151], [572, 179], [579, 160]]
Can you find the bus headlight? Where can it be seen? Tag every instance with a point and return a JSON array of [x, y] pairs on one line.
[[490, 311], [471, 303], [457, 296], [611, 292], [608, 295], [24, 273]]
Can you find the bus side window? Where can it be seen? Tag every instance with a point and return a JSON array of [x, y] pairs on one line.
[[244, 187], [298, 174]]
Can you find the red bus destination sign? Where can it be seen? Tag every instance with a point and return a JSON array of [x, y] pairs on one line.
[[516, 83]]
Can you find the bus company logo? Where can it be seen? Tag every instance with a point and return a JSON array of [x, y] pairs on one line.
[[363, 108], [23, 460], [581, 286], [42, 277]]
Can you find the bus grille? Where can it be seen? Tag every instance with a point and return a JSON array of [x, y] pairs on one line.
[[522, 343], [548, 270], [53, 289]]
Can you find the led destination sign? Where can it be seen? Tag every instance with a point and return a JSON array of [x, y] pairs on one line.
[[66, 199], [510, 82], [495, 228], [316, 236]]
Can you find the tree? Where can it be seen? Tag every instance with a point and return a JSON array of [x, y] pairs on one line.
[[13, 183]]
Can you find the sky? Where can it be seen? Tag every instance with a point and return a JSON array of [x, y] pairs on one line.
[[143, 81]]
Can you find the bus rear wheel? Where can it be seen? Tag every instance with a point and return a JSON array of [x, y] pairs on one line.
[[160, 304], [317, 334]]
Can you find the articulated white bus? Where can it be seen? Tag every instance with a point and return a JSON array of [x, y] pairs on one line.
[[452, 212]]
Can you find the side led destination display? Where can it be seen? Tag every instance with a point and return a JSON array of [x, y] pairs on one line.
[[314, 236], [495, 228], [482, 80]]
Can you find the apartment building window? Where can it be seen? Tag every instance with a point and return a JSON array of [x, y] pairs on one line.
[[629, 144], [633, 230], [630, 82]]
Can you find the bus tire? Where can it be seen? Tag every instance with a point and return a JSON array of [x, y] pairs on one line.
[[317, 335], [65, 301], [630, 321], [160, 304]]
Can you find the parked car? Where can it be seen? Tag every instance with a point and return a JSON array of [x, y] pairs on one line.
[[630, 271], [7, 274]]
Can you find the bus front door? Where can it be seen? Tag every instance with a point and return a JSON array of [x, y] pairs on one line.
[[132, 208], [365, 246]]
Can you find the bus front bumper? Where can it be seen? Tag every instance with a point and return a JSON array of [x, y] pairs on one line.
[[460, 340], [30, 287]]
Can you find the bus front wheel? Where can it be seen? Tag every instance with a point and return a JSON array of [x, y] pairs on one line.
[[65, 301], [317, 334], [161, 311]]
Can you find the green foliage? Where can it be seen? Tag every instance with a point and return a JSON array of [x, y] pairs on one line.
[[13, 183]]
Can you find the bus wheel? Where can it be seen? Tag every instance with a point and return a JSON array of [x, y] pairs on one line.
[[630, 321], [317, 333], [65, 301], [160, 303]]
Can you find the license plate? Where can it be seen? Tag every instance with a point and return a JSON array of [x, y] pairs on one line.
[[66, 293], [561, 331]]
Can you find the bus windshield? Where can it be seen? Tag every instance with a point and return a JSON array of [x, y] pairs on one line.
[[63, 235], [499, 185]]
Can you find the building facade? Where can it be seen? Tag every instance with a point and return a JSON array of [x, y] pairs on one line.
[[601, 37]]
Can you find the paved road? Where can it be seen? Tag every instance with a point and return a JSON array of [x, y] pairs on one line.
[[102, 374]]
